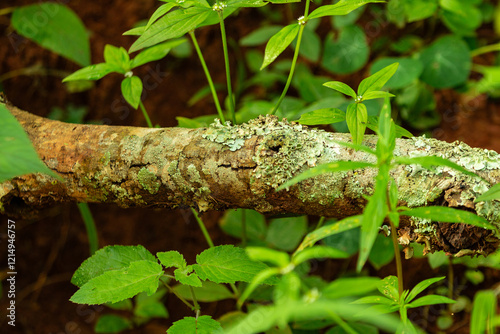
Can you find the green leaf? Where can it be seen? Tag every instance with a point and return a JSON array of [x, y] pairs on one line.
[[245, 3], [351, 286], [159, 12], [171, 259], [492, 193], [226, 264], [382, 251], [318, 252], [150, 306], [132, 90], [417, 10], [421, 286], [279, 42], [109, 258], [373, 215], [117, 57], [329, 167], [115, 285], [156, 52], [448, 215], [56, 28], [173, 25], [342, 7], [255, 224], [377, 80], [389, 288], [286, 233], [186, 276], [483, 312], [110, 323], [407, 72], [328, 230], [207, 293], [322, 116], [430, 300], [310, 45], [433, 161], [259, 36], [264, 254], [190, 325], [348, 53], [341, 87], [357, 119], [347, 241], [447, 62], [93, 72], [379, 94], [18, 156]]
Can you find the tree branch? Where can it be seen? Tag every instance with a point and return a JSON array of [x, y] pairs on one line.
[[223, 167]]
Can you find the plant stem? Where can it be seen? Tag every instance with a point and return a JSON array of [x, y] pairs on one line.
[[195, 302], [203, 228], [228, 71], [188, 304], [321, 221], [485, 49], [397, 255], [145, 113], [7, 10], [294, 60], [88, 220], [209, 77]]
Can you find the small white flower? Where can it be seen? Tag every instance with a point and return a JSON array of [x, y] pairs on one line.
[[129, 74], [302, 20]]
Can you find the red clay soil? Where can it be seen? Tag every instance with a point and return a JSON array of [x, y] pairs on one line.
[[49, 250]]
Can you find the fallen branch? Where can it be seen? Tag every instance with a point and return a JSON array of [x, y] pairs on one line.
[[223, 167]]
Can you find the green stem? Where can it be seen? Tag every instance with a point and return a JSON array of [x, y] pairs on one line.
[[197, 307], [7, 10], [294, 60], [203, 228], [88, 220], [485, 49], [397, 255], [228, 71], [188, 304], [320, 222], [209, 77], [145, 113]]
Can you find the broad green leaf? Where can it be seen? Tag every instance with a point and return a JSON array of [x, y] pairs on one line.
[[322, 116], [111, 323], [448, 215], [341, 87], [447, 62], [18, 156], [347, 241], [373, 215], [328, 230], [255, 224], [156, 52], [357, 119], [159, 12], [318, 252], [117, 57], [382, 251], [421, 286], [207, 293], [310, 86], [93, 72], [348, 53], [201, 325], [55, 27], [171, 259], [132, 90], [286, 233], [151, 306], [329, 167], [377, 80], [342, 7], [461, 17], [483, 312], [279, 42], [264, 254], [492, 193], [407, 72], [115, 285], [417, 10], [226, 264], [430, 300], [431, 162], [109, 258], [245, 3], [173, 25], [389, 288], [351, 286], [259, 36], [186, 276]]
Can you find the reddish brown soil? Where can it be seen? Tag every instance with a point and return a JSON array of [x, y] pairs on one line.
[[50, 249]]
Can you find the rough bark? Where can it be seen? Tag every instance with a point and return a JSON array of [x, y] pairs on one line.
[[223, 167]]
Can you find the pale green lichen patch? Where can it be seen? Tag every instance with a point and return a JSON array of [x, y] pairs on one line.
[[148, 180]]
